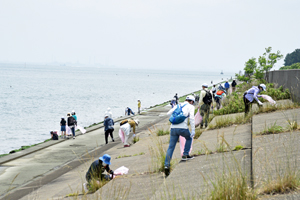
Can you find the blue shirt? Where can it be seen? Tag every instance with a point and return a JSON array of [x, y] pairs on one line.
[[252, 93], [108, 123], [75, 117], [227, 85]]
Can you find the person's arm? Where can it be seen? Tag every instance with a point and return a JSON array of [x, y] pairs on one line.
[[201, 98], [255, 95], [171, 111]]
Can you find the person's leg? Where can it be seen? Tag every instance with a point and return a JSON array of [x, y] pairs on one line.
[[202, 114], [186, 134], [111, 134], [173, 139], [207, 115], [73, 131], [106, 136]]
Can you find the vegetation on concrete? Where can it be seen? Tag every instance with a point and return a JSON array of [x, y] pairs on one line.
[[124, 156], [162, 132], [238, 147], [234, 103], [293, 66], [225, 121], [136, 139]]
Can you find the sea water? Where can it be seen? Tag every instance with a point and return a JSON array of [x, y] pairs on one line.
[[34, 98]]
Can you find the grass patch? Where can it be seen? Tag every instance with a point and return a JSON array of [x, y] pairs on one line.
[[124, 156], [225, 121], [198, 133], [96, 184], [231, 182], [271, 130], [162, 132], [238, 147], [136, 139]]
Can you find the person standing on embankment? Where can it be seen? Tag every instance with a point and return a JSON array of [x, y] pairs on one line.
[[206, 99], [139, 106]]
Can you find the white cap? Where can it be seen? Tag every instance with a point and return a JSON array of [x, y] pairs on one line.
[[190, 97], [108, 108], [205, 85], [263, 86], [106, 115], [62, 117]]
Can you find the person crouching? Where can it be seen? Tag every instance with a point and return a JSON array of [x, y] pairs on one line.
[[96, 170]]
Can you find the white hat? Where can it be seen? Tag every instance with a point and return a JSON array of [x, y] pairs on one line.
[[263, 86], [205, 85], [108, 108], [62, 117], [106, 115], [190, 97], [136, 121]]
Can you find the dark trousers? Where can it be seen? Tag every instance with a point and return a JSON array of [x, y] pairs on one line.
[[109, 132], [73, 130], [247, 104]]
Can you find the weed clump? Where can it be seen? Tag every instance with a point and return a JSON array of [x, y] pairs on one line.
[[162, 132]]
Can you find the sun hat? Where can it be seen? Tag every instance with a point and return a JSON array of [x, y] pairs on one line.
[[106, 159], [136, 121]]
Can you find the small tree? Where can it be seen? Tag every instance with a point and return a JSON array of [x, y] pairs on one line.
[[267, 62]]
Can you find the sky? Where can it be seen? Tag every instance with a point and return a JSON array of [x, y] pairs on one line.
[[148, 34]]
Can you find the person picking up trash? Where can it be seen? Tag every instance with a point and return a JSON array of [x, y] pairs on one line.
[[128, 111], [206, 98], [252, 94], [126, 126], [96, 170], [179, 127]]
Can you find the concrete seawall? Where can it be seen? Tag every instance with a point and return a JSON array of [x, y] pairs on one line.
[[288, 79]]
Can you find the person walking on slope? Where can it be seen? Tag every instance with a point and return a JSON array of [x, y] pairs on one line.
[[128, 111], [108, 128], [176, 98], [71, 124], [204, 104], [218, 97], [96, 170], [126, 126], [181, 129], [252, 94], [139, 106], [227, 86], [233, 84]]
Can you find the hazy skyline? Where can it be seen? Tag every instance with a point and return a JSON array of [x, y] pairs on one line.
[[193, 35]]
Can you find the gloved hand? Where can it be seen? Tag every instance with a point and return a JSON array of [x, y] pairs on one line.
[[111, 172], [133, 135], [260, 103], [192, 134]]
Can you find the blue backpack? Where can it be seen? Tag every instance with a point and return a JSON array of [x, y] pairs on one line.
[[177, 116]]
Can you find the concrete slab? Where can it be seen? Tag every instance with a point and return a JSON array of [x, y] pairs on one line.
[[187, 181], [280, 118], [231, 117], [233, 135], [275, 155]]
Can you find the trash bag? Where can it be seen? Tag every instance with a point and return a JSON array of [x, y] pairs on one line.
[[120, 171], [122, 135], [198, 118], [268, 98], [182, 144], [82, 130]]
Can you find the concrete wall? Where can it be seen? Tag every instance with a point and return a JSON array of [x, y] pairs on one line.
[[288, 79]]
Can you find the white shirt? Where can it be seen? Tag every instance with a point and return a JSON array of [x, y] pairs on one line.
[[187, 110]]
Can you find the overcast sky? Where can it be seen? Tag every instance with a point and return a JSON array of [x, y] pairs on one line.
[[158, 34]]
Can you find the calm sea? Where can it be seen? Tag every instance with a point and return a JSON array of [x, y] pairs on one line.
[[34, 98]]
